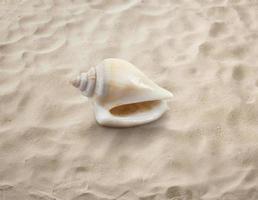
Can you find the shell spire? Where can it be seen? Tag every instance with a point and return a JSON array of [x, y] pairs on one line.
[[86, 82]]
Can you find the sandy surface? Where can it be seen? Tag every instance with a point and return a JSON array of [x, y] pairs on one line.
[[205, 147]]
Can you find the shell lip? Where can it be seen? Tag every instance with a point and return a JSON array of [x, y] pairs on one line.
[[106, 118], [124, 101]]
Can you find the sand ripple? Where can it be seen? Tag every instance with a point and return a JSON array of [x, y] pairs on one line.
[[204, 51]]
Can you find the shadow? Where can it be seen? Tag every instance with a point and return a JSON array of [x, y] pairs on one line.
[[133, 138]]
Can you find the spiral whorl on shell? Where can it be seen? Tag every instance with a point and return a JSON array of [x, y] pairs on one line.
[[86, 82]]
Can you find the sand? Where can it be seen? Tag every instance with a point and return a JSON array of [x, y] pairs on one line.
[[205, 147]]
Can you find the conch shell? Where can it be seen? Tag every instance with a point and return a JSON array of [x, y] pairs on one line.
[[122, 95]]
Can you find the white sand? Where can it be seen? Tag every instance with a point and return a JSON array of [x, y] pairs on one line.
[[205, 147]]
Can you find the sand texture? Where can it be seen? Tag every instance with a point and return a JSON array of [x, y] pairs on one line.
[[204, 148]]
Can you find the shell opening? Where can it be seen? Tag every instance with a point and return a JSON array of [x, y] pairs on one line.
[[134, 108]]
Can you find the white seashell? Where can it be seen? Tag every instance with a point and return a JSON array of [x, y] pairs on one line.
[[122, 95]]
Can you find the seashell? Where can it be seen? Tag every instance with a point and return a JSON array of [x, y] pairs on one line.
[[122, 95]]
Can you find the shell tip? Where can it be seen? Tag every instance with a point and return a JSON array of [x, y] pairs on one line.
[[75, 82]]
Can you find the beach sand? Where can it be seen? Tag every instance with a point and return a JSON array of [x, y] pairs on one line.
[[205, 147]]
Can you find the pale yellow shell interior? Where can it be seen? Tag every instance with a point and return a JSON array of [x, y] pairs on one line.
[[133, 108]]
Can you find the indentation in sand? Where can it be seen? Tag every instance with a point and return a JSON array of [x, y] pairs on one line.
[[205, 147]]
